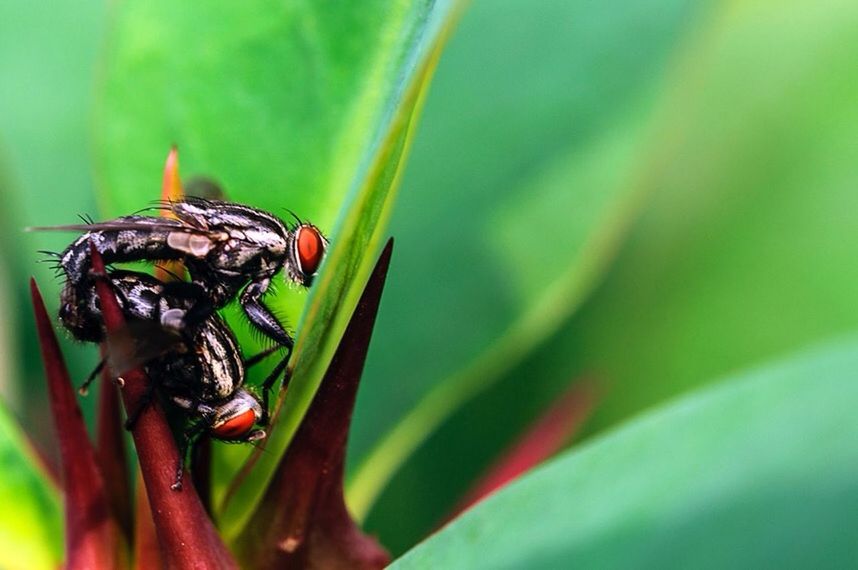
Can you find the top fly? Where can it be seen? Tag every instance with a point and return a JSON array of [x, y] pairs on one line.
[[230, 250]]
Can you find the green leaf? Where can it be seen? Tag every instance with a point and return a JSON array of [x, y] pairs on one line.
[[48, 67], [525, 178], [47, 62], [301, 106], [31, 521], [756, 471], [747, 250]]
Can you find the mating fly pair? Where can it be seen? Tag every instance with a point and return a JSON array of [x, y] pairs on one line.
[[230, 251]]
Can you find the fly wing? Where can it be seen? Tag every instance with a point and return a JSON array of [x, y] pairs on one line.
[[137, 343], [122, 224], [178, 235]]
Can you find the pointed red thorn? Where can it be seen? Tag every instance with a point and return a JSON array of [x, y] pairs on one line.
[[110, 450], [545, 437], [186, 534], [302, 521], [92, 534], [147, 551]]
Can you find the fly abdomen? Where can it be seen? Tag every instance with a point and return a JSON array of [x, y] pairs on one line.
[[212, 369], [132, 238], [140, 296]]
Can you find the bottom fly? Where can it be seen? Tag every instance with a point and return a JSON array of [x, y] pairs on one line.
[[199, 367]]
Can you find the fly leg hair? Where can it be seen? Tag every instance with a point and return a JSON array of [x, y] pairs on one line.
[[263, 319], [261, 316]]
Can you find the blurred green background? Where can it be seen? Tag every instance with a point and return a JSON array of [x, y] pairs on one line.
[[650, 194]]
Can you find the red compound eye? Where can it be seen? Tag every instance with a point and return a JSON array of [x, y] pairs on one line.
[[311, 248], [237, 427]]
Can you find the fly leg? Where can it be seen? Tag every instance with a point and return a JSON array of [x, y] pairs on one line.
[[189, 441], [84, 388], [261, 316], [263, 319], [268, 385], [270, 379], [256, 358]]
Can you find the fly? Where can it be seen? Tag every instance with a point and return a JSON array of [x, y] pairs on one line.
[[230, 250], [199, 369]]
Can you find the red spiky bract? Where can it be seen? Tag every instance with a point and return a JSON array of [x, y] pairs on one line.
[[186, 535], [92, 534], [302, 521], [147, 553], [110, 451]]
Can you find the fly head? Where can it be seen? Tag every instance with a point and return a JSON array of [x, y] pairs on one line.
[[307, 248], [234, 419]]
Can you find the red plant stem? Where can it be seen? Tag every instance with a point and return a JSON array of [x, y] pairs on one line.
[[110, 449], [187, 536], [147, 552], [92, 534]]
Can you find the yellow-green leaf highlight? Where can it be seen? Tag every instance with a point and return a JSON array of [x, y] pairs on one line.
[[30, 518]]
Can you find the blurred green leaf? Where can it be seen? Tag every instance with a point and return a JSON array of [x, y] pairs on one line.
[[31, 517], [757, 471], [47, 63], [301, 106], [525, 177], [748, 249]]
